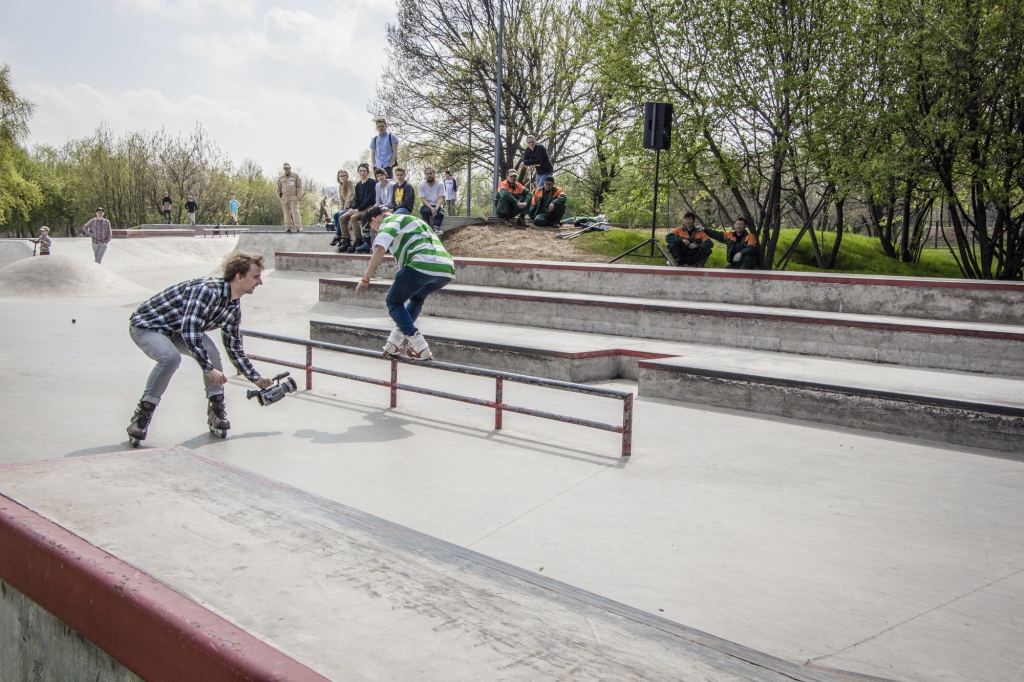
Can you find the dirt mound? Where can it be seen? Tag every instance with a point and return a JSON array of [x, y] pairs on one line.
[[532, 243], [61, 276]]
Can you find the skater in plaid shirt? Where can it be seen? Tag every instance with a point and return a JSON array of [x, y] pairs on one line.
[[174, 323]]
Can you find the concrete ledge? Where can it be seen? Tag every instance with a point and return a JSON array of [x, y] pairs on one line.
[[914, 297], [958, 422], [152, 630], [139, 234], [576, 367], [992, 349]]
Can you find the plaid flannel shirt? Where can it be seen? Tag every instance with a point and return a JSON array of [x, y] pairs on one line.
[[192, 308]]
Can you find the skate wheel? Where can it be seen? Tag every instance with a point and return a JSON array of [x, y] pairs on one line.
[[220, 433], [134, 442]]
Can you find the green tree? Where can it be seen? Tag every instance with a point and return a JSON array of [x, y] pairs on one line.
[[18, 195]]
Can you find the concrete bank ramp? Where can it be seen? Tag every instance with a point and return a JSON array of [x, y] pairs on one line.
[[350, 595], [64, 277], [12, 250]]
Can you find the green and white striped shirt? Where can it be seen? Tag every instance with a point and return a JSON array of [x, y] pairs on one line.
[[415, 245]]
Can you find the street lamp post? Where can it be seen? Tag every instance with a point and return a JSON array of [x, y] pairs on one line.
[[497, 104]]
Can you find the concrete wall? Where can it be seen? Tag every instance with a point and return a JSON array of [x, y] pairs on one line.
[[909, 418], [37, 646], [961, 300], [885, 343]]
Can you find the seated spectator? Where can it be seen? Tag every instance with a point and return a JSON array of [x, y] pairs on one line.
[[403, 196], [383, 196], [548, 204], [432, 199], [690, 244], [511, 200], [346, 199], [362, 204], [536, 157], [740, 246]]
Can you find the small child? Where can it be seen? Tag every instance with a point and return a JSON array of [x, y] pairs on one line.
[[43, 241]]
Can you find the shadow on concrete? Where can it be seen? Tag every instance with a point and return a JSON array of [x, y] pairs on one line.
[[103, 449], [516, 440], [380, 429], [207, 438]]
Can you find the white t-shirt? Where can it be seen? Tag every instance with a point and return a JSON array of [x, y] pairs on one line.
[[432, 194], [449, 189]]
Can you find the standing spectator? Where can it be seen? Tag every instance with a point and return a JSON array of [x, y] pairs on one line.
[[357, 215], [346, 198], [451, 192], [548, 204], [511, 200], [191, 207], [233, 207], [536, 157], [98, 229], [384, 149], [432, 200], [166, 204], [325, 213], [403, 196], [289, 191], [44, 241]]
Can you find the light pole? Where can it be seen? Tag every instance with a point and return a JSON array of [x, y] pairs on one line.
[[497, 104]]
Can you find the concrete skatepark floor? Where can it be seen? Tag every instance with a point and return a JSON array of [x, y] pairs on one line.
[[892, 558]]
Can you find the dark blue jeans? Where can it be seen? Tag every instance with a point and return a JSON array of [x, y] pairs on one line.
[[411, 286], [438, 217]]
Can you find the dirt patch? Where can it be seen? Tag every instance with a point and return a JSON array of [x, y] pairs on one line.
[[532, 243]]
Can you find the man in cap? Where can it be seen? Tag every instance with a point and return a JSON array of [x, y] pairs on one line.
[[289, 191], [548, 204], [689, 244], [511, 199], [98, 229]]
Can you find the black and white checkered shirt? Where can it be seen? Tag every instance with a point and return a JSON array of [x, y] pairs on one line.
[[192, 308]]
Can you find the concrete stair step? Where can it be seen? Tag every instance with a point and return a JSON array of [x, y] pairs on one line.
[[961, 346], [915, 297], [975, 410]]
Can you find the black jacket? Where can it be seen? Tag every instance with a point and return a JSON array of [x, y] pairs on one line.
[[366, 195], [538, 156]]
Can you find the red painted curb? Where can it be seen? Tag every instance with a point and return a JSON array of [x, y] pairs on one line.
[[863, 280], [149, 628], [742, 314]]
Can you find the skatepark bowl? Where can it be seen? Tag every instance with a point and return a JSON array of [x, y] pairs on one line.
[[812, 477]]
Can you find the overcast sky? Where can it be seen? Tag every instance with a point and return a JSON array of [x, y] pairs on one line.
[[272, 81]]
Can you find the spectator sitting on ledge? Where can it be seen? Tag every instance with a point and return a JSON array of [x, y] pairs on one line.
[[740, 246], [548, 204]]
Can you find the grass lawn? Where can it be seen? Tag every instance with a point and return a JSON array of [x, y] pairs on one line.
[[858, 254]]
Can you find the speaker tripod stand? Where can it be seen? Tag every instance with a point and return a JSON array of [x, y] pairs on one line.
[[653, 241]]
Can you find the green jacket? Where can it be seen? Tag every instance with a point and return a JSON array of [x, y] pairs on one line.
[[746, 245], [541, 199]]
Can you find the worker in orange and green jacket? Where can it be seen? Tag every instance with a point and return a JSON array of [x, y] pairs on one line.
[[689, 244], [548, 204], [740, 246]]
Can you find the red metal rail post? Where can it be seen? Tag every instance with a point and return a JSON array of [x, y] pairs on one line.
[[627, 425], [394, 382], [309, 368], [499, 385]]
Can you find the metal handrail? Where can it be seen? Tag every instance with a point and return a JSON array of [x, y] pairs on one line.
[[498, 404]]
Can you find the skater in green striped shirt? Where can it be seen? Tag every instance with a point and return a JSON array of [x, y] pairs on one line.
[[424, 267]]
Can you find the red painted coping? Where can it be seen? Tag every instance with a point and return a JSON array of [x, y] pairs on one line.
[[934, 328], [866, 280], [149, 628]]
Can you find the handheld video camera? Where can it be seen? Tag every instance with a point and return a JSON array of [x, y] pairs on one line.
[[283, 385]]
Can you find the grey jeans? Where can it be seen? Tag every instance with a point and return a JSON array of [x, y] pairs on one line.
[[98, 249], [167, 352]]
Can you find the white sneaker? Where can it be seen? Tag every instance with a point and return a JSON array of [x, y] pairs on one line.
[[395, 343], [418, 348]]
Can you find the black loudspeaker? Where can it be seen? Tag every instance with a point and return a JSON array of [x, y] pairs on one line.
[[657, 125]]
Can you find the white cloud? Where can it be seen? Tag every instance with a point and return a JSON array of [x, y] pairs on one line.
[[186, 10]]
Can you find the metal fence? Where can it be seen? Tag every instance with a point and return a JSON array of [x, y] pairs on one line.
[[498, 404]]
